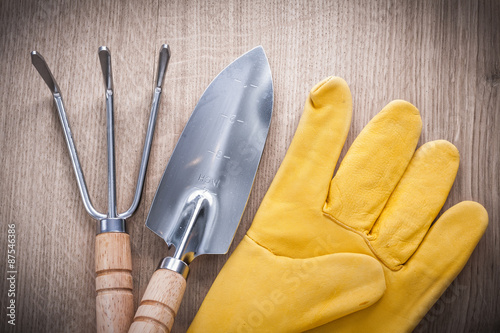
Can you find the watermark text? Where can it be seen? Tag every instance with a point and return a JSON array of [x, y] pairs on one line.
[[11, 274]]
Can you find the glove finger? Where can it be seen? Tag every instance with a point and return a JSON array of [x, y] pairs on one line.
[[257, 291], [443, 254], [415, 203], [413, 290], [310, 161], [373, 166]]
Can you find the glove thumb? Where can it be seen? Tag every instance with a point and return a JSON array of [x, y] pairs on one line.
[[257, 291]]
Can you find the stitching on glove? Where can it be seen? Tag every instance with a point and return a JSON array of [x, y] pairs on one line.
[[345, 226], [262, 246], [321, 85], [281, 256]]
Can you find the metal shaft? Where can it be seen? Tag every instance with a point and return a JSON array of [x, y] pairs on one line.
[[111, 156], [163, 60], [105, 59], [44, 71]]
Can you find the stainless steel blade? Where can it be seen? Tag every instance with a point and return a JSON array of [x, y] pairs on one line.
[[205, 187]]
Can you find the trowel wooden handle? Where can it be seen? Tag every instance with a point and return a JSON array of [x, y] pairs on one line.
[[160, 303], [114, 301]]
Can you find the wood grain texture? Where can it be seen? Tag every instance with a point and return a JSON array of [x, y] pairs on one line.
[[160, 303], [442, 56], [114, 282]]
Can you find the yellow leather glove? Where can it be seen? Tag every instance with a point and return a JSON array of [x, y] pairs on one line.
[[303, 259]]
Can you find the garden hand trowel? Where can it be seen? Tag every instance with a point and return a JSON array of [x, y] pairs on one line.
[[205, 187]]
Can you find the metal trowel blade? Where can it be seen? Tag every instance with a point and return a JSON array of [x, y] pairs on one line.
[[216, 159]]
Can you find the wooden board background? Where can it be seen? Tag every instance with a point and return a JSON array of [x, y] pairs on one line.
[[443, 56]]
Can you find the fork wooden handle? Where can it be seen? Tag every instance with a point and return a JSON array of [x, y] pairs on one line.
[[160, 303], [114, 301]]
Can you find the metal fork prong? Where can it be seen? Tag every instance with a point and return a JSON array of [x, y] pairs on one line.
[[164, 57], [162, 64], [105, 59], [41, 66], [44, 71]]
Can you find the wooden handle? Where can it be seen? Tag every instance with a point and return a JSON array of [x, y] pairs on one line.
[[114, 301], [160, 303]]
